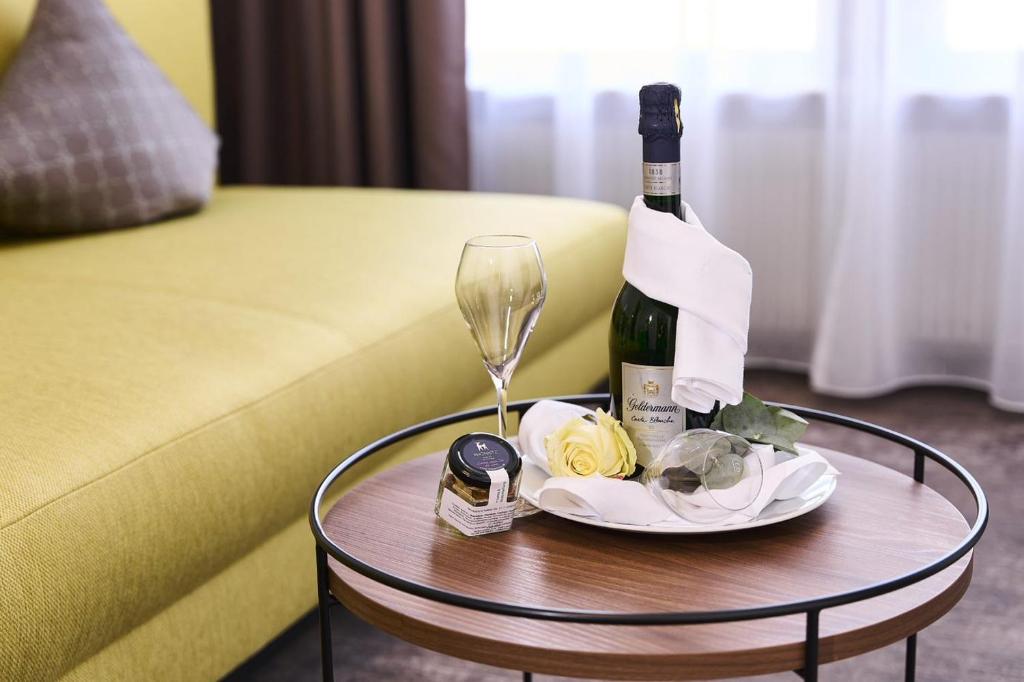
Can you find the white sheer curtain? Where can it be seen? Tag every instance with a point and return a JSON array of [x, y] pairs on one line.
[[866, 156]]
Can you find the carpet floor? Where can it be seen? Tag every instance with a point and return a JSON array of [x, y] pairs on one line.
[[981, 639]]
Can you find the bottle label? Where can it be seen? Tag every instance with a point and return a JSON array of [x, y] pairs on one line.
[[661, 179], [648, 414]]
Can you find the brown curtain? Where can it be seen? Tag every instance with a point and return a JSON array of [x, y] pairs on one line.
[[342, 92]]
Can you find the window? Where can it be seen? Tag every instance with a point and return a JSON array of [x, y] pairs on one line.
[[961, 47], [542, 45], [984, 25]]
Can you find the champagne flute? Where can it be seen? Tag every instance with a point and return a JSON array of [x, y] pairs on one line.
[[501, 286]]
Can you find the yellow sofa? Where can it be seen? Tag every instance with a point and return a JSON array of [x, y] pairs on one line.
[[171, 395]]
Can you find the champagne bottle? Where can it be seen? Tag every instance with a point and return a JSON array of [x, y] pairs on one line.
[[642, 338]]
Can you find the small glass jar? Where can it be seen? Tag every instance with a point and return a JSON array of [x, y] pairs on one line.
[[479, 484]]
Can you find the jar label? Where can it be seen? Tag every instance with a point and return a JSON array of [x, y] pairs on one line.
[[648, 414], [498, 492], [661, 179], [471, 520]]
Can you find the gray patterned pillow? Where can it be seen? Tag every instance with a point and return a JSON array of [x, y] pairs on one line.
[[92, 135]]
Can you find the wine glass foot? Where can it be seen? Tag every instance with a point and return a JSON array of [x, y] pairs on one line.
[[524, 508]]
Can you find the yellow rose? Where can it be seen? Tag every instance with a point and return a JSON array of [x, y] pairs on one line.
[[587, 446]]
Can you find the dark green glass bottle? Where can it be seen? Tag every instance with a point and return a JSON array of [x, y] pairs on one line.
[[642, 338]]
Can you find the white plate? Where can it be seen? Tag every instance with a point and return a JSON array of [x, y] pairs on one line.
[[776, 512]]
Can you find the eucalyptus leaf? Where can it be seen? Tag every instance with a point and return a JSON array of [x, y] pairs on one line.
[[789, 426], [779, 443], [716, 423], [751, 419], [792, 416], [726, 472], [759, 423]]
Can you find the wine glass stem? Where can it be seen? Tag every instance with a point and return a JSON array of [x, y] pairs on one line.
[[501, 387]]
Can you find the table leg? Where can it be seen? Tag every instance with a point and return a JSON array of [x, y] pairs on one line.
[[527, 677], [324, 608], [919, 466], [810, 671], [910, 666]]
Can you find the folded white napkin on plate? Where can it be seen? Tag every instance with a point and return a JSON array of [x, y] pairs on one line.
[[680, 263], [608, 499], [628, 502]]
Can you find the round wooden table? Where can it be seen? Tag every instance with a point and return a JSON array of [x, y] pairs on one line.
[[878, 526]]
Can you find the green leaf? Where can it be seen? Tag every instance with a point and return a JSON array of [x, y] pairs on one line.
[[716, 423], [759, 423], [726, 472], [779, 443], [788, 426]]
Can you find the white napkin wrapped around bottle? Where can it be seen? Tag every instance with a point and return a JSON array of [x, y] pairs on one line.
[[680, 263], [786, 477]]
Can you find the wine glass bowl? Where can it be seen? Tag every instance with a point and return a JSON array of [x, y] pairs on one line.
[[501, 286], [705, 475]]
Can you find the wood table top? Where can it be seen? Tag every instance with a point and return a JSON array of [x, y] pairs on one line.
[[878, 525]]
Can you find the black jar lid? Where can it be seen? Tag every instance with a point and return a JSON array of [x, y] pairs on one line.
[[471, 456]]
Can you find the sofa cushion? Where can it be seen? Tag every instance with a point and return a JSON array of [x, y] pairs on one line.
[[174, 33], [171, 396], [92, 135]]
